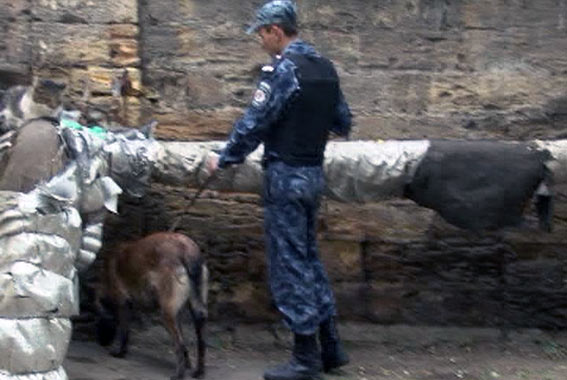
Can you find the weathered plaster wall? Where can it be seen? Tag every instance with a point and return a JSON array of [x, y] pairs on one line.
[[410, 69]]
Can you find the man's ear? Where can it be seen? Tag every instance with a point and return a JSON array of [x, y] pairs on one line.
[[278, 31]]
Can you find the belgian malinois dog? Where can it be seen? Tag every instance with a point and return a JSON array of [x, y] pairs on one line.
[[166, 267]]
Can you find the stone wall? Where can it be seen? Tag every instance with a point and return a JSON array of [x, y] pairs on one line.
[[469, 69]]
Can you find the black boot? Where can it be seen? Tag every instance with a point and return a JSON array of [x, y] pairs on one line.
[[305, 363], [332, 353]]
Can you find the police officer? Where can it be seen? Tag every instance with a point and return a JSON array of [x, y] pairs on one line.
[[297, 103]]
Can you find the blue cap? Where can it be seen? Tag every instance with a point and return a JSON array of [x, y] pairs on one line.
[[281, 12]]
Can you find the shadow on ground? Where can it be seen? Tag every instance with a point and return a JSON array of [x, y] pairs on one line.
[[377, 352]]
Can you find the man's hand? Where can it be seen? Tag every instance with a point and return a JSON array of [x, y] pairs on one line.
[[212, 163]]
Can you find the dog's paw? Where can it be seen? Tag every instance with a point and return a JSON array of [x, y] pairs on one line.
[[198, 374], [118, 353]]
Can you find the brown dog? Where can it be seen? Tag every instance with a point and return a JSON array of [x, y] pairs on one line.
[[165, 267]]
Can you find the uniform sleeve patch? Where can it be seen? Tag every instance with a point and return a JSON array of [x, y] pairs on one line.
[[261, 95]]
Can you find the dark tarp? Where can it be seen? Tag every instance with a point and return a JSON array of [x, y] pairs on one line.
[[478, 185]]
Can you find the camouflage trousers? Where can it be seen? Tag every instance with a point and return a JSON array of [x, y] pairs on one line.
[[298, 282]]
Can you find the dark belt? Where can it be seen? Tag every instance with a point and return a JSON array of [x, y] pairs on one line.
[[295, 161]]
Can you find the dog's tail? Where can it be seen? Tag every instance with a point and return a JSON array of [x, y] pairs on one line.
[[199, 279]]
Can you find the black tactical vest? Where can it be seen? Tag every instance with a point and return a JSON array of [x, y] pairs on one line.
[[300, 135]]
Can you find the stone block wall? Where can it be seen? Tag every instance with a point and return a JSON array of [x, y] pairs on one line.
[[410, 69], [83, 44]]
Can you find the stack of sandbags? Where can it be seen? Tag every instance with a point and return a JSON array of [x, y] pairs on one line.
[[39, 287], [48, 234]]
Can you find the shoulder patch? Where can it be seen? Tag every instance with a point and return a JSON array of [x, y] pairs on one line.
[[262, 94]]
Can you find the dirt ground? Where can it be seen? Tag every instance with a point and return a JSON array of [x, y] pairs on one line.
[[377, 352]]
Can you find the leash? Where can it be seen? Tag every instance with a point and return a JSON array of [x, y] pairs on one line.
[[201, 188]]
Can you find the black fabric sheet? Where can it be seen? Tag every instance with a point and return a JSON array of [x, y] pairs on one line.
[[478, 185]]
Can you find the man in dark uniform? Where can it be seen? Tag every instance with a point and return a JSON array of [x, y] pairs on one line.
[[297, 104]]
